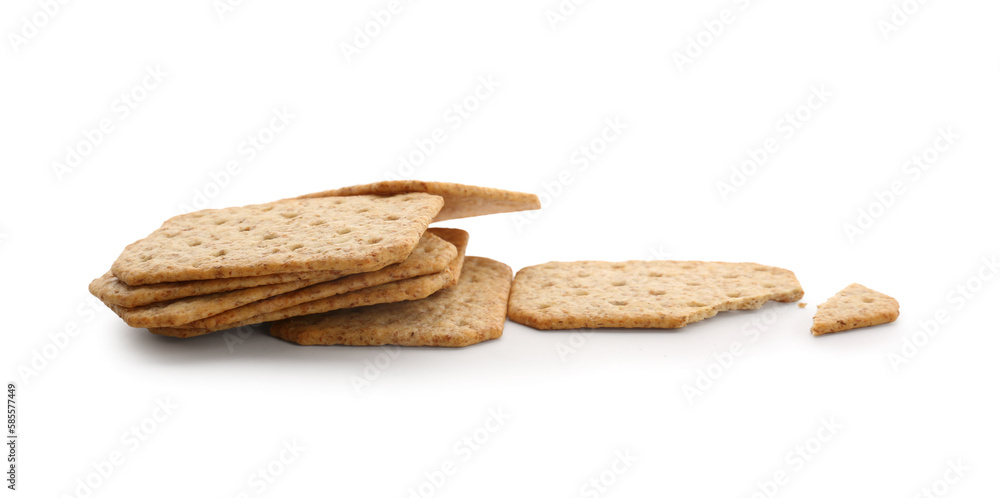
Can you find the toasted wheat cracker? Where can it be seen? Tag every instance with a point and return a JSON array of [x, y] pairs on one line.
[[431, 255], [854, 307], [425, 260], [400, 290], [359, 233], [460, 201], [109, 289], [472, 311], [642, 294]]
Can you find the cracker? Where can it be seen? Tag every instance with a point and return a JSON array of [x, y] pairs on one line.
[[358, 233], [427, 258], [854, 307], [471, 312], [460, 201], [109, 289], [431, 255], [642, 294], [400, 290]]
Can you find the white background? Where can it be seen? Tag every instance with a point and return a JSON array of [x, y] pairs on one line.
[[653, 193]]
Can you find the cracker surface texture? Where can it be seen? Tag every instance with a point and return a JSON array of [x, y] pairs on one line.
[[460, 201], [432, 254], [400, 290], [854, 307], [642, 294], [109, 289], [357, 233], [471, 312]]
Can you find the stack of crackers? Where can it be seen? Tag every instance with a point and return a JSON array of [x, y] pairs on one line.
[[356, 265]]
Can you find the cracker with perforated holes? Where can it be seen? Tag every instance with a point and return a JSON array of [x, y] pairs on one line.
[[460, 201], [854, 307], [472, 311], [432, 254], [642, 294], [358, 233], [400, 290]]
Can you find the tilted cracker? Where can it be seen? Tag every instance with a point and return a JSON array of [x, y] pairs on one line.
[[431, 257], [432, 254], [400, 290], [854, 307], [472, 311], [642, 294], [460, 201], [358, 233]]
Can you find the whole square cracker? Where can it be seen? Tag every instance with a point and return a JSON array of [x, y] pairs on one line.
[[642, 294], [854, 307], [400, 290], [358, 233], [460, 201], [432, 254], [471, 312]]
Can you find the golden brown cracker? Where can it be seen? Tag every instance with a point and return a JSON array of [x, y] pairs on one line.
[[431, 255], [854, 307], [358, 233], [400, 290], [642, 294], [460, 201], [472, 311]]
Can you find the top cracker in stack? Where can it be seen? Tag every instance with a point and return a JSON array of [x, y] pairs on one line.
[[357, 234]]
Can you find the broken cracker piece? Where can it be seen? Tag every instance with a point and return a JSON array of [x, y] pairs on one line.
[[642, 294], [854, 307]]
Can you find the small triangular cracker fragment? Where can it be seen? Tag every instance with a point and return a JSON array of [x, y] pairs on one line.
[[854, 307]]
